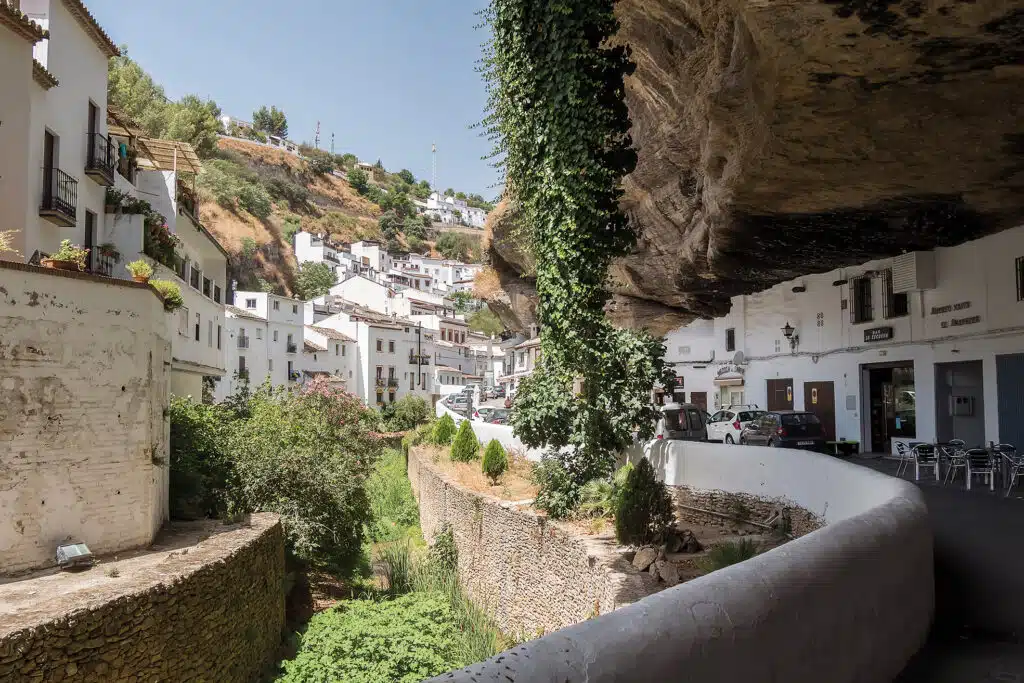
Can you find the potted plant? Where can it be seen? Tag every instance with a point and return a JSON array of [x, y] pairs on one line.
[[170, 293], [108, 250], [140, 270], [68, 257]]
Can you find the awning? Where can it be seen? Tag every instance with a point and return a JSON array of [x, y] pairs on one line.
[[726, 381]]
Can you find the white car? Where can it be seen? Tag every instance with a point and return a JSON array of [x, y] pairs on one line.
[[726, 424]]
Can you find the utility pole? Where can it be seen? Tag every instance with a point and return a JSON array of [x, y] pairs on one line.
[[433, 172], [316, 140], [332, 144]]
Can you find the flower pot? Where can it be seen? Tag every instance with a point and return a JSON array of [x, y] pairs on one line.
[[60, 265], [140, 278]]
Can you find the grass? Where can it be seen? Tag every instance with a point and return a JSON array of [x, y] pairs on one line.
[[726, 554]]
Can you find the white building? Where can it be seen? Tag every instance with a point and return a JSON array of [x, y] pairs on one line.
[[451, 211], [926, 346], [331, 353], [363, 291], [520, 360], [283, 337]]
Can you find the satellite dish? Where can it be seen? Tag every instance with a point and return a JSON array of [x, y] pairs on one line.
[[739, 358]]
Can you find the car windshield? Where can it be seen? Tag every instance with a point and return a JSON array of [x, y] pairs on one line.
[[748, 415], [793, 419], [499, 414], [675, 420]]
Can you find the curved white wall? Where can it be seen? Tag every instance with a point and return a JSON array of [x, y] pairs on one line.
[[851, 601], [485, 432]]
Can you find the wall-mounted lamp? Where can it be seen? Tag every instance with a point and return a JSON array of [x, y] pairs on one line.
[[788, 332]]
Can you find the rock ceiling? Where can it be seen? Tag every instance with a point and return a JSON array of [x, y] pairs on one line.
[[783, 137]]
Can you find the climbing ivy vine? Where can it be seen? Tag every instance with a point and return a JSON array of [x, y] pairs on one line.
[[558, 117]]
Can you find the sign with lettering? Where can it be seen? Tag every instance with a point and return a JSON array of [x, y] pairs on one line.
[[959, 322], [962, 306], [877, 334], [679, 382]]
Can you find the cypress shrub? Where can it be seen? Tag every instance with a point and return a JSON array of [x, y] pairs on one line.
[[643, 508], [465, 448], [444, 430], [495, 461]]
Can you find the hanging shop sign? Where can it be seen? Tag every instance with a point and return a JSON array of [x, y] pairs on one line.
[[789, 395], [875, 334], [814, 397]]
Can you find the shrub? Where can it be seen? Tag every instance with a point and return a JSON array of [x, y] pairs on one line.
[[170, 293], [320, 163], [558, 494], [444, 554], [725, 554], [465, 447], [394, 511], [444, 431], [403, 640], [71, 252], [598, 496], [255, 199], [495, 460], [396, 563], [201, 473], [643, 508], [405, 413]]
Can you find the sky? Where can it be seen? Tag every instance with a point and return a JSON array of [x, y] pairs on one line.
[[387, 77]]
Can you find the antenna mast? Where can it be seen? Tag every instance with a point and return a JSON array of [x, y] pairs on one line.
[[332, 144], [433, 171], [316, 140]]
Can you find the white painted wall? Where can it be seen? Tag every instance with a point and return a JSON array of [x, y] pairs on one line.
[[831, 348], [17, 86], [83, 386], [364, 292]]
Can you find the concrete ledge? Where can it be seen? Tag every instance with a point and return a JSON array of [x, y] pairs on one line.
[[849, 602]]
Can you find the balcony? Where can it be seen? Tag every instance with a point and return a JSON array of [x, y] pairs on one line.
[[60, 198], [291, 347], [243, 342], [392, 383], [421, 359], [187, 200], [99, 164], [331, 257]]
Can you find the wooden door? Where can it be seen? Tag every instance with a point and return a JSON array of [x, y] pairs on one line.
[[699, 398], [820, 399], [780, 394]]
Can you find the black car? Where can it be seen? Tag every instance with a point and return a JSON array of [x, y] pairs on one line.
[[786, 429]]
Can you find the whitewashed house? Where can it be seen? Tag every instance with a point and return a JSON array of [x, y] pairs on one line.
[[247, 351], [451, 211], [284, 334], [363, 291], [520, 361], [926, 346], [331, 353]]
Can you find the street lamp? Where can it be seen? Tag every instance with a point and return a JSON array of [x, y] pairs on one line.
[[794, 339]]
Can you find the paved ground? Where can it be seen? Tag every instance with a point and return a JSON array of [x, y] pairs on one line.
[[979, 575]]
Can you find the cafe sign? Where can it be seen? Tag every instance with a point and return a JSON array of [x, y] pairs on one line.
[[875, 334]]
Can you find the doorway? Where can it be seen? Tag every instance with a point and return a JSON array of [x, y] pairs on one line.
[[1010, 390], [780, 394], [892, 404], [820, 399], [959, 402], [699, 398]]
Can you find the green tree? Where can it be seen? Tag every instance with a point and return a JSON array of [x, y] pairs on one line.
[[449, 192], [495, 461], [418, 246], [444, 431], [460, 195], [561, 125], [465, 447], [643, 507], [459, 247], [270, 121], [461, 301], [134, 92], [421, 190], [389, 224], [359, 180], [196, 122], [406, 175], [413, 227], [485, 322], [315, 279]]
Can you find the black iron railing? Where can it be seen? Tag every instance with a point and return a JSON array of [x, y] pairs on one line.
[[101, 156], [291, 348], [243, 342], [103, 264], [393, 382], [187, 199], [60, 193]]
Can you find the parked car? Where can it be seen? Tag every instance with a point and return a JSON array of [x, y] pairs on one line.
[[461, 404], [786, 429], [727, 424], [498, 392], [500, 416], [681, 422], [483, 413]]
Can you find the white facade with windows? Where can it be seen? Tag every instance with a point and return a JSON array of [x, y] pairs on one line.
[[926, 346], [284, 332], [451, 211], [329, 353], [247, 352]]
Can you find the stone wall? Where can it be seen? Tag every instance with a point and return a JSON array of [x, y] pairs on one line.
[[214, 612], [531, 574], [83, 439], [697, 506]]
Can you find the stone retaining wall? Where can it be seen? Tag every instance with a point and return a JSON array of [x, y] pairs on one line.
[[214, 612], [531, 574], [690, 503]]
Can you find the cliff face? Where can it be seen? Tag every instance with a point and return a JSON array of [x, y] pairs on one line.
[[781, 137]]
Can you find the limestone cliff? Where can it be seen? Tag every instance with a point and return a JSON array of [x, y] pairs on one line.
[[780, 137]]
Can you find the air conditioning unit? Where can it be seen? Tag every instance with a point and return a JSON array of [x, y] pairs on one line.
[[913, 272]]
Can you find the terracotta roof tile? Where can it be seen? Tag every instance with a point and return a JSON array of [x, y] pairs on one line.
[[18, 21], [331, 334], [43, 77], [242, 313], [313, 347]]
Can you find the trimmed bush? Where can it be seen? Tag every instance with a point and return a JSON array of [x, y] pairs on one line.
[[465, 448], [643, 508], [495, 460], [444, 431]]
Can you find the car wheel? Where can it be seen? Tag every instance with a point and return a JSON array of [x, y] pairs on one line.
[[743, 442], [772, 443], [728, 439]]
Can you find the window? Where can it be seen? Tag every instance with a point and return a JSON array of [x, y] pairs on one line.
[[893, 305], [241, 365], [412, 381], [270, 364], [207, 287], [250, 303], [182, 269], [380, 372], [209, 333], [289, 342], [380, 397], [183, 321], [291, 369], [295, 308], [860, 294], [259, 333], [275, 335], [391, 347], [1020, 278], [337, 349], [195, 276], [216, 293], [696, 419], [342, 349], [277, 305], [730, 339], [198, 326], [218, 337], [380, 345]]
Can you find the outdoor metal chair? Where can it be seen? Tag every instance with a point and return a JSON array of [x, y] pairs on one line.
[[1014, 460], [979, 462], [956, 458], [925, 456], [906, 457]]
